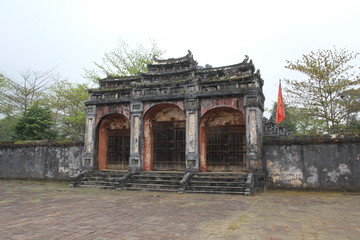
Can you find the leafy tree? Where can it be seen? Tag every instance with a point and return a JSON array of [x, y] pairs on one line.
[[123, 61], [330, 94], [36, 124], [7, 125], [354, 123], [17, 95], [2, 81], [4, 107], [67, 101]]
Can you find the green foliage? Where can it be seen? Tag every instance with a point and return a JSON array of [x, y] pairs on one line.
[[36, 124], [5, 108], [289, 123], [329, 96], [123, 61], [7, 125], [2, 81], [354, 123], [67, 102]]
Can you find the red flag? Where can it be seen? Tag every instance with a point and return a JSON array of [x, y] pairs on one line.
[[280, 111]]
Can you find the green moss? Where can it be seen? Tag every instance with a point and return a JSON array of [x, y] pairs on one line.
[[35, 143]]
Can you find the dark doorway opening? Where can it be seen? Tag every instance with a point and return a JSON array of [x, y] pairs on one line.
[[118, 150], [168, 145], [225, 148]]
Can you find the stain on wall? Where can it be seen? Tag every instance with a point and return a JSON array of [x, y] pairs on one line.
[[211, 103], [310, 164], [102, 111], [51, 161], [313, 163]]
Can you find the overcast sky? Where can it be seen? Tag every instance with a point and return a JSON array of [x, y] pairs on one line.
[[72, 34]]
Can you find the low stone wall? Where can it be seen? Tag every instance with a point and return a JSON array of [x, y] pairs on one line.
[[295, 163], [40, 161], [331, 163]]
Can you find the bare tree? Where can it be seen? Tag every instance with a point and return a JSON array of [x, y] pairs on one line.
[[19, 93]]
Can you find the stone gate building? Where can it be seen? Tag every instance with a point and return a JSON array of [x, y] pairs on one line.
[[177, 117]]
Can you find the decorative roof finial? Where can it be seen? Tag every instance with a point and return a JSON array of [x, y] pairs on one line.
[[246, 59], [189, 53]]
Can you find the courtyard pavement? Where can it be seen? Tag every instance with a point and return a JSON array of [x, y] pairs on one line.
[[48, 210]]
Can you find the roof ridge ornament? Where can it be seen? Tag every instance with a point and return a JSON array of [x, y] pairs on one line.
[[189, 54], [246, 59]]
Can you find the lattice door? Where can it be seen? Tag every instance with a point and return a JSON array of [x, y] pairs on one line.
[[118, 148], [225, 148], [169, 145]]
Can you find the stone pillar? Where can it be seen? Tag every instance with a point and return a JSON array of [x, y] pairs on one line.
[[136, 126], [254, 133], [192, 135], [90, 131]]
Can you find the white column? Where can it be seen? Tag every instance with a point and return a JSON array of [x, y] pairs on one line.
[[254, 115], [135, 159], [90, 128], [192, 135]]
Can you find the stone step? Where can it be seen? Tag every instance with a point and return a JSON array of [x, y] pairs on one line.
[[100, 178], [216, 192], [156, 186], [213, 183], [98, 183], [151, 189], [160, 174], [225, 174], [156, 177], [217, 188], [96, 186], [223, 178], [156, 181], [103, 177], [105, 173]]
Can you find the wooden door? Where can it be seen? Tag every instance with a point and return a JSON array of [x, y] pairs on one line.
[[169, 145], [118, 150], [225, 148]]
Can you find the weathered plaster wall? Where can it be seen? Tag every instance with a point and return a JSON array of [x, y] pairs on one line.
[[102, 111], [291, 163], [313, 163], [210, 103], [56, 162]]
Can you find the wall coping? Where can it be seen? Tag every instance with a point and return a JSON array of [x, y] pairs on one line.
[[26, 144], [310, 140]]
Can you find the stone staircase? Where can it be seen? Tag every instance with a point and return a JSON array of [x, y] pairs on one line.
[[211, 183], [221, 183], [100, 179], [155, 181]]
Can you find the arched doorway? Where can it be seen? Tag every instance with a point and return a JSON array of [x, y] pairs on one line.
[[164, 138], [222, 141], [114, 142]]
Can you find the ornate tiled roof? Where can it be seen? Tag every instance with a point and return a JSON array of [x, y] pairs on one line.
[[178, 78]]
